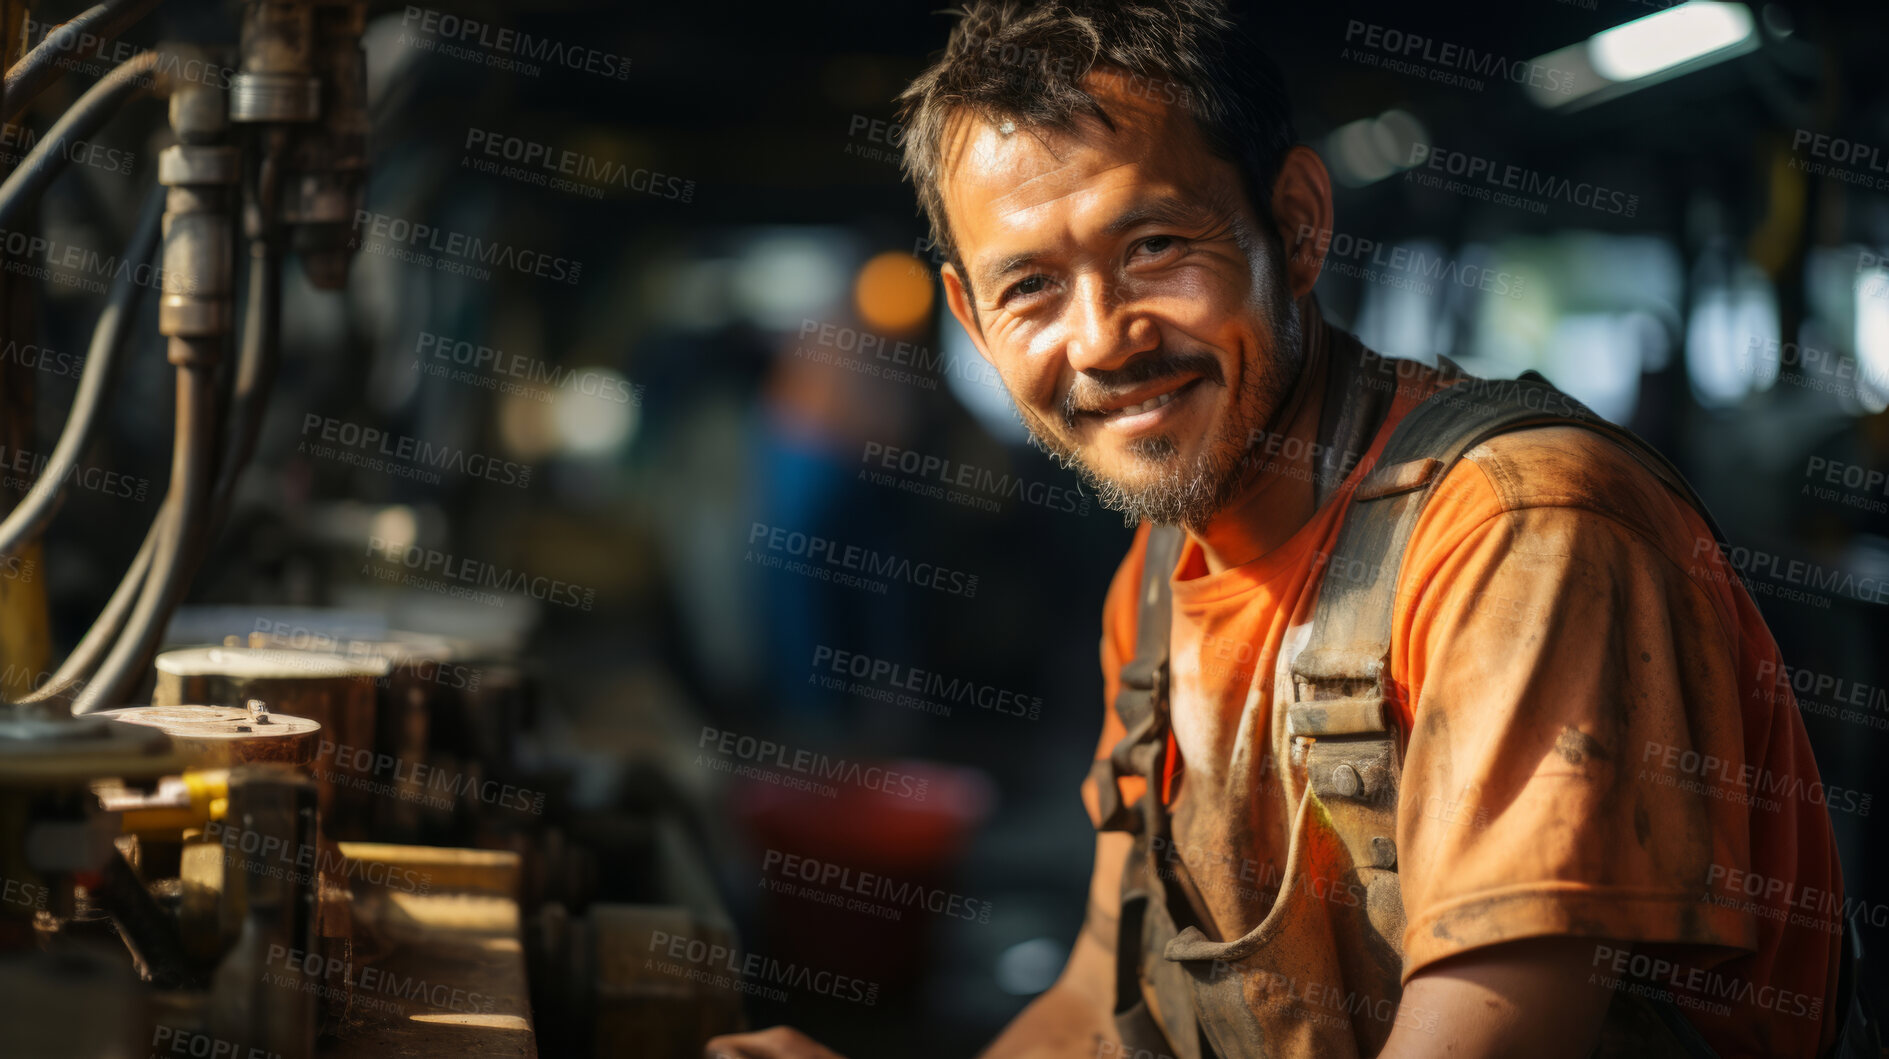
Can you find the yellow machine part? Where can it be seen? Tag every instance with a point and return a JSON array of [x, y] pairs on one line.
[[25, 642], [209, 800]]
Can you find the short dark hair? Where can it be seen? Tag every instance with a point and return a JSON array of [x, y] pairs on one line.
[[1023, 61]]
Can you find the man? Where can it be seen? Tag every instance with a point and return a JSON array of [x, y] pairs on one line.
[[1561, 847]]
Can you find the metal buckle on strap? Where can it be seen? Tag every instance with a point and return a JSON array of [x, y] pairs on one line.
[[1363, 715], [1396, 478]]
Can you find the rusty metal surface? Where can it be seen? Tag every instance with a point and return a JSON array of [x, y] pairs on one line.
[[215, 736], [336, 692]]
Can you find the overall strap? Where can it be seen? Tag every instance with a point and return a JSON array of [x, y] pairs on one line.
[[1339, 678], [1339, 720], [1141, 701]]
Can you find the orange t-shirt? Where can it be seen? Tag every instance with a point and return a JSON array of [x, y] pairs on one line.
[[1601, 741]]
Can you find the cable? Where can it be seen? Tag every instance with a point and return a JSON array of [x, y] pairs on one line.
[[37, 508], [42, 66], [255, 374], [262, 333], [188, 502], [92, 110]]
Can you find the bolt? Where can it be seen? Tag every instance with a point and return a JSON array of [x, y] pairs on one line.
[[1345, 781], [1384, 853]]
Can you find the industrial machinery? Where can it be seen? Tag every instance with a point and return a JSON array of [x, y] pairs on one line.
[[311, 842]]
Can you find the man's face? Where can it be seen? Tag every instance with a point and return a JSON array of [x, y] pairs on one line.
[[1127, 295]]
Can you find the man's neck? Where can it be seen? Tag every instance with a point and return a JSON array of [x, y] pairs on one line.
[[1278, 499]]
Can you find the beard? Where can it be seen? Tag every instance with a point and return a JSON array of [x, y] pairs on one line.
[[1174, 490]]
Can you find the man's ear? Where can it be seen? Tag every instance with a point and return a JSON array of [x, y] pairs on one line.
[[958, 297], [1301, 208]]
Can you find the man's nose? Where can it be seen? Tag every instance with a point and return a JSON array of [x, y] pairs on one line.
[[1106, 330]]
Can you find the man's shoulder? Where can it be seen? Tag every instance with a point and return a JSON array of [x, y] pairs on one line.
[[1575, 468]]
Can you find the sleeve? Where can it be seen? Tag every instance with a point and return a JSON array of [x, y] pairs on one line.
[[1566, 678]]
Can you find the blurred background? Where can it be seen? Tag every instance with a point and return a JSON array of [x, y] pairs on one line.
[[712, 342]]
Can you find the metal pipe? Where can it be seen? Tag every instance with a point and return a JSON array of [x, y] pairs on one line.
[[42, 501], [100, 24]]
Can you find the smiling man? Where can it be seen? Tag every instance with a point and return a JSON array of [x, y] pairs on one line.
[[1437, 726]]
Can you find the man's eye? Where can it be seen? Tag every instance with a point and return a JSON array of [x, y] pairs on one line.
[[1027, 286], [1157, 244]]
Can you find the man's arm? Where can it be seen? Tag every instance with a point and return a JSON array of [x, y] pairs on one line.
[[1528, 997], [1076, 1015]]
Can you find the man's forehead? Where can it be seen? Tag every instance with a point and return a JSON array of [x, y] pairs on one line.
[[990, 175], [998, 155]]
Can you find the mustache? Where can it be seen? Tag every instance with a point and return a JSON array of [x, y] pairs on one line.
[[1093, 389]]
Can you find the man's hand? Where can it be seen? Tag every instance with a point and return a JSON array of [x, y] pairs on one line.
[[1527, 997], [781, 1042]]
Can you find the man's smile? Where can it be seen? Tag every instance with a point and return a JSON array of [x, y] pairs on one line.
[[1145, 408]]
